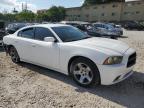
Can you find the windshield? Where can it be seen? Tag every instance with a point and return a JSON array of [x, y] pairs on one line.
[[19, 25], [68, 33], [109, 26], [16, 26]]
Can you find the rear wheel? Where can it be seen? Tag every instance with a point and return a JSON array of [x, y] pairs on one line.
[[84, 72], [14, 55]]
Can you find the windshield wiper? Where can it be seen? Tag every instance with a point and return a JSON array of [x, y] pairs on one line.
[[78, 39]]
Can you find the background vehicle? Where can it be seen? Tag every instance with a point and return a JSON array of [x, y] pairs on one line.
[[89, 60], [12, 28], [107, 30], [133, 25], [89, 29], [83, 26], [117, 27], [142, 23], [2, 31], [72, 23]]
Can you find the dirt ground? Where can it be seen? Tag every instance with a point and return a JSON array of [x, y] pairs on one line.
[[29, 86]]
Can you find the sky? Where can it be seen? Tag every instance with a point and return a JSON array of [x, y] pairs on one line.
[[34, 5]]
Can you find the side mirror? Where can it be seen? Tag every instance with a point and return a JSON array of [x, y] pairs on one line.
[[49, 39]]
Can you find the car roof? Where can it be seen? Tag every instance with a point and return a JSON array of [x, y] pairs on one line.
[[43, 25], [48, 25], [98, 23], [74, 22], [18, 23]]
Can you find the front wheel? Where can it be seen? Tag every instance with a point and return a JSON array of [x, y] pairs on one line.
[[84, 72], [14, 55], [114, 38]]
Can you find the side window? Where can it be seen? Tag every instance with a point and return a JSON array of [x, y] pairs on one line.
[[106, 27], [41, 33], [27, 33], [102, 26], [98, 25]]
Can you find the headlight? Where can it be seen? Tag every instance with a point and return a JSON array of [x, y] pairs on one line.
[[113, 60]]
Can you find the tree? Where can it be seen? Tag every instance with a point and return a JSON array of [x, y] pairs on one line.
[[26, 16], [53, 14], [1, 16], [42, 17], [92, 2], [56, 13], [62, 12], [9, 17]]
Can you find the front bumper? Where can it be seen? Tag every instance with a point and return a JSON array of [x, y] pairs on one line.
[[111, 74]]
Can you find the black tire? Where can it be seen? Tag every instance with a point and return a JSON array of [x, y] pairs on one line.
[[14, 55], [114, 38], [94, 73]]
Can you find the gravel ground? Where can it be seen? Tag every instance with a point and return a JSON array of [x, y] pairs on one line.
[[29, 86]]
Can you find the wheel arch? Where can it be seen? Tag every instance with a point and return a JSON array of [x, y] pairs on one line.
[[75, 57], [78, 56], [7, 47]]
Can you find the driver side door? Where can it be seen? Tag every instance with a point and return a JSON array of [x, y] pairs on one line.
[[45, 53]]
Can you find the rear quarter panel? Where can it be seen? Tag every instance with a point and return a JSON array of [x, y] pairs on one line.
[[9, 39]]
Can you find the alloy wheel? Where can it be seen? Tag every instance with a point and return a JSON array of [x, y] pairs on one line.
[[83, 73]]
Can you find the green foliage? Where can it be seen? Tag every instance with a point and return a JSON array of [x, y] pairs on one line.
[[7, 17], [22, 16], [1, 16], [10, 17], [92, 2], [42, 17], [53, 14], [26, 16]]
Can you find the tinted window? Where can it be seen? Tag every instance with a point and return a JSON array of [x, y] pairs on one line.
[[41, 33], [68, 33], [19, 25], [27, 33], [108, 26], [97, 25]]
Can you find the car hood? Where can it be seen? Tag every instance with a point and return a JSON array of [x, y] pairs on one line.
[[110, 44]]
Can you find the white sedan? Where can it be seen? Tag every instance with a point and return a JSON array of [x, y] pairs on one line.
[[89, 60]]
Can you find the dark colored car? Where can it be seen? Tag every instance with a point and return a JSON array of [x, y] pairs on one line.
[[117, 27], [107, 30], [89, 29], [2, 31], [132, 25], [83, 26], [142, 24], [12, 28]]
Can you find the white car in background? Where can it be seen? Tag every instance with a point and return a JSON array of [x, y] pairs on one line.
[[89, 60]]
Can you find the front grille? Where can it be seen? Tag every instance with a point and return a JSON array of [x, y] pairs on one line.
[[131, 60]]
